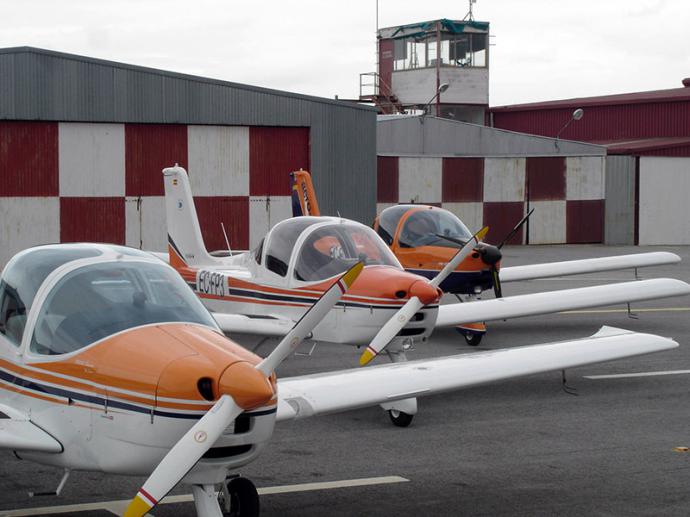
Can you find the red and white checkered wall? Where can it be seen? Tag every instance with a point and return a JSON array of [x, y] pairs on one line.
[[566, 192], [67, 182]]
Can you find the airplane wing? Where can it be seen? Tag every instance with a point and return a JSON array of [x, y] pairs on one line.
[[333, 392], [594, 265], [263, 325], [555, 301], [18, 433]]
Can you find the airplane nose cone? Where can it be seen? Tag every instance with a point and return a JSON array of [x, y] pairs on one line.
[[426, 292], [490, 254], [246, 385]]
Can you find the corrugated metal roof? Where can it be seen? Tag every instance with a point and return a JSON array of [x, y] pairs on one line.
[[195, 78], [643, 145], [432, 136], [671, 95]]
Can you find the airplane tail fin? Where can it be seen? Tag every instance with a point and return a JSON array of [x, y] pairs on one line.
[[185, 243], [303, 196]]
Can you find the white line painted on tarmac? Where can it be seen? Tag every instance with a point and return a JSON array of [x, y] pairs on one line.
[[633, 309], [639, 374], [118, 507]]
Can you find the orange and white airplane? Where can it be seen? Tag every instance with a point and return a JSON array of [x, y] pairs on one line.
[[267, 290], [109, 363], [424, 238]]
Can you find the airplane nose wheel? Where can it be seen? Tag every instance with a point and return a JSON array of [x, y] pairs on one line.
[[239, 498], [473, 339], [399, 418]]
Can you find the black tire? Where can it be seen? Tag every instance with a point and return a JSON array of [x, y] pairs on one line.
[[399, 418], [244, 499], [473, 339]]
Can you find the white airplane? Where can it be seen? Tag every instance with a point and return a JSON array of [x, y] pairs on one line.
[[109, 363], [265, 291]]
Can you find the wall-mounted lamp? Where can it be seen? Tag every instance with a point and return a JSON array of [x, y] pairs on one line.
[[442, 88], [577, 115]]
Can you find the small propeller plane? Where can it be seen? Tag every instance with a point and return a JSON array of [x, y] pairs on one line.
[[265, 291], [109, 363], [424, 238]]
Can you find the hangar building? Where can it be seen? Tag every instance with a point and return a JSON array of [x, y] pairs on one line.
[[83, 142], [493, 177], [647, 137]]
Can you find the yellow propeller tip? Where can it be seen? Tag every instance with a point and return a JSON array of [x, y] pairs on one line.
[[352, 275], [482, 233], [137, 508], [366, 357]]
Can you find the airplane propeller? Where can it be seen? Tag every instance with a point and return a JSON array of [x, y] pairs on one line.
[[400, 319], [242, 387], [491, 255], [498, 292]]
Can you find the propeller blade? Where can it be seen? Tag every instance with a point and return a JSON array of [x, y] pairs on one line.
[[202, 435], [391, 329], [459, 257], [310, 319], [498, 292], [515, 229], [400, 319], [184, 455]]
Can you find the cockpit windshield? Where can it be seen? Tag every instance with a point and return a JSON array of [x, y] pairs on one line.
[[332, 249], [24, 275], [429, 227], [98, 300]]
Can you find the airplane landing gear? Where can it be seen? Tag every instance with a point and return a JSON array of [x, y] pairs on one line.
[[238, 498], [399, 418], [473, 339]]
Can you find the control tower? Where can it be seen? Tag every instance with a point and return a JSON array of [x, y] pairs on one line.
[[441, 66]]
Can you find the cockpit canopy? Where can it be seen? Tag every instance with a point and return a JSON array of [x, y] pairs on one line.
[[422, 227], [120, 289], [320, 248]]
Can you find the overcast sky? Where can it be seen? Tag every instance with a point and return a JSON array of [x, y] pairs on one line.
[[542, 49]]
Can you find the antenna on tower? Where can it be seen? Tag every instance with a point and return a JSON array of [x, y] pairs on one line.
[[469, 16]]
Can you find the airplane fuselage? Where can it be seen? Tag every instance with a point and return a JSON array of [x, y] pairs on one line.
[[355, 320]]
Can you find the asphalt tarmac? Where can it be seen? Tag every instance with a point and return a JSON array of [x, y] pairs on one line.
[[523, 447]]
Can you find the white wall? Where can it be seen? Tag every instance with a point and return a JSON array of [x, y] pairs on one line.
[[26, 222], [420, 180], [585, 177], [264, 214], [504, 179], [466, 85], [218, 160], [664, 207], [92, 159]]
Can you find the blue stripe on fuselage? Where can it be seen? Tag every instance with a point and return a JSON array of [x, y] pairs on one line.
[[459, 282]]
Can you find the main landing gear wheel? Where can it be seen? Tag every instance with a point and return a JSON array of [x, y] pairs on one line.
[[399, 418], [473, 339], [239, 498]]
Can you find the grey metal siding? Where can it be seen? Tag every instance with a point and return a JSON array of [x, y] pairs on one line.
[[432, 136], [619, 219], [45, 85]]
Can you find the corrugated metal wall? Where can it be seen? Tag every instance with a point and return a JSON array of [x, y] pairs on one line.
[[602, 123], [78, 127], [619, 226], [50, 86], [567, 193], [28, 159]]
